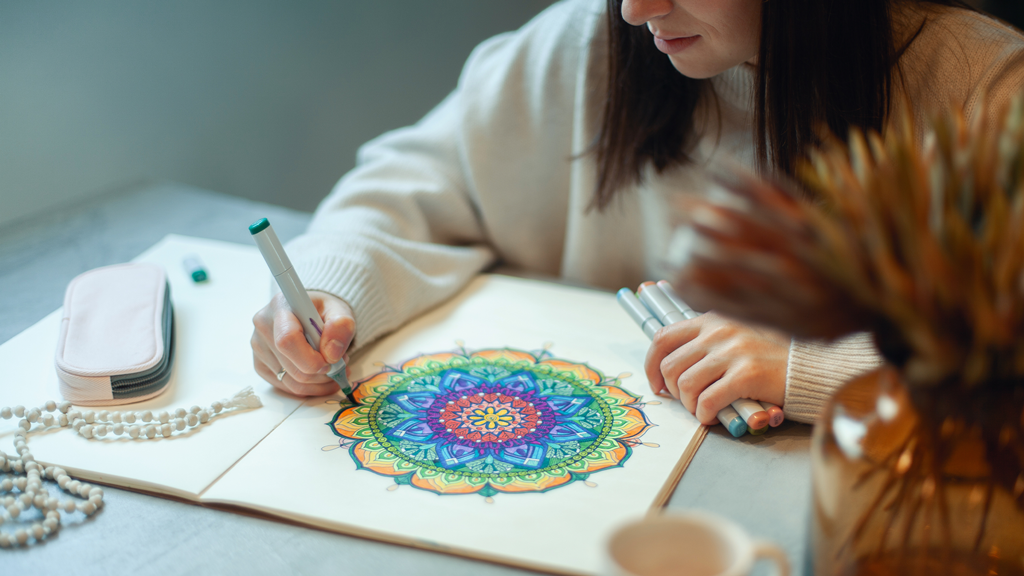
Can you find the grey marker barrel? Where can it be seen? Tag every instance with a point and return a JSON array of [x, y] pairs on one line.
[[296, 295], [638, 312], [673, 297], [658, 303]]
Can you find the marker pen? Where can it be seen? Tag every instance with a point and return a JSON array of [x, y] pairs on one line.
[[683, 307], [194, 267], [752, 412], [732, 421], [638, 312], [295, 294], [758, 431], [775, 415], [649, 324], [658, 303]]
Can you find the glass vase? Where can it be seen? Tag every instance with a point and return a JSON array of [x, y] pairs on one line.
[[900, 490]]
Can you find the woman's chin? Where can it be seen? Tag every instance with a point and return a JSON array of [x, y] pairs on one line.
[[698, 68]]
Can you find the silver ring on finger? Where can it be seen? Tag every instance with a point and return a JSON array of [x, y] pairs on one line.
[[280, 375]]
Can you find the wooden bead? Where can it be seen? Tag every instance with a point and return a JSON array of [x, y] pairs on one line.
[[150, 431], [164, 417], [165, 430], [118, 429], [14, 510], [179, 424], [217, 406], [204, 416], [63, 481], [146, 416], [32, 415], [69, 506], [103, 415], [50, 405], [37, 531], [115, 417], [19, 411], [87, 508], [180, 413], [192, 419], [5, 413], [86, 431], [129, 417], [64, 407], [134, 431], [51, 524], [62, 420], [89, 416], [21, 536]]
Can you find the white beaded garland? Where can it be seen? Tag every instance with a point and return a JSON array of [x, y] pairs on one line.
[[26, 475]]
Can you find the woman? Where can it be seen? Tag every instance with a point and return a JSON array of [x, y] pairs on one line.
[[556, 152]]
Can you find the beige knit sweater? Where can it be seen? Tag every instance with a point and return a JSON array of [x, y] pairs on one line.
[[489, 177]]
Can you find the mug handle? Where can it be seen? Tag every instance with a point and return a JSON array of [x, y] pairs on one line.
[[769, 551]]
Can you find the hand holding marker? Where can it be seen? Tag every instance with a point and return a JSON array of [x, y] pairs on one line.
[[659, 306], [295, 294]]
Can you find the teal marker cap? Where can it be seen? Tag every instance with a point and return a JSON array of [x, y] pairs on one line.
[[737, 427], [258, 226]]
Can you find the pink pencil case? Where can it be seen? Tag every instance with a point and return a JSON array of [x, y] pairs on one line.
[[116, 343]]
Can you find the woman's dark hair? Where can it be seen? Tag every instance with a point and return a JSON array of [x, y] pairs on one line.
[[821, 62]]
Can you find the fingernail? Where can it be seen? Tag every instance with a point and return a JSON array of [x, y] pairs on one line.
[[334, 351]]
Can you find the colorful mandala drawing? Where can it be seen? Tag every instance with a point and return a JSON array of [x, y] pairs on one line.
[[490, 421]]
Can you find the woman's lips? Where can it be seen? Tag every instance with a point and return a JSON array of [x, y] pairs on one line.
[[674, 45]]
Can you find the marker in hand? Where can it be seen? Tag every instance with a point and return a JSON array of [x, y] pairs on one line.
[[297, 297], [748, 409], [650, 324]]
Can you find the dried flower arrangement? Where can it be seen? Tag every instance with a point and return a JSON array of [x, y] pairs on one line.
[[919, 243]]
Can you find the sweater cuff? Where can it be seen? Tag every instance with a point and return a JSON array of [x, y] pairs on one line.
[[817, 369], [349, 281]]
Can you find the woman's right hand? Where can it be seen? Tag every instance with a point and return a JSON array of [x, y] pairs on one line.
[[278, 343]]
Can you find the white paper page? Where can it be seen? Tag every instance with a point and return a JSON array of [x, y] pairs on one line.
[[295, 473], [213, 360]]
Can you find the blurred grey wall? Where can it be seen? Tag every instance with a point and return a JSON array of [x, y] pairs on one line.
[[263, 99]]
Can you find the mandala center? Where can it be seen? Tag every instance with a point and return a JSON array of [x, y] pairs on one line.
[[492, 417]]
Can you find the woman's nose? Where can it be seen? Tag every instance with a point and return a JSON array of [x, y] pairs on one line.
[[637, 12]]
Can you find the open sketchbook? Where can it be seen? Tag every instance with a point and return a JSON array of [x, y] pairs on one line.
[[513, 423]]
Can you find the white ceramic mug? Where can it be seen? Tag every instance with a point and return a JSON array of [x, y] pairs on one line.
[[690, 544]]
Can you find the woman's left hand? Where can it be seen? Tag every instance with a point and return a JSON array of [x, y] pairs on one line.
[[710, 361]]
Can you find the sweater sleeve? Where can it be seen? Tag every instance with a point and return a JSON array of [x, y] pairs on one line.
[[416, 218], [398, 233], [817, 369]]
